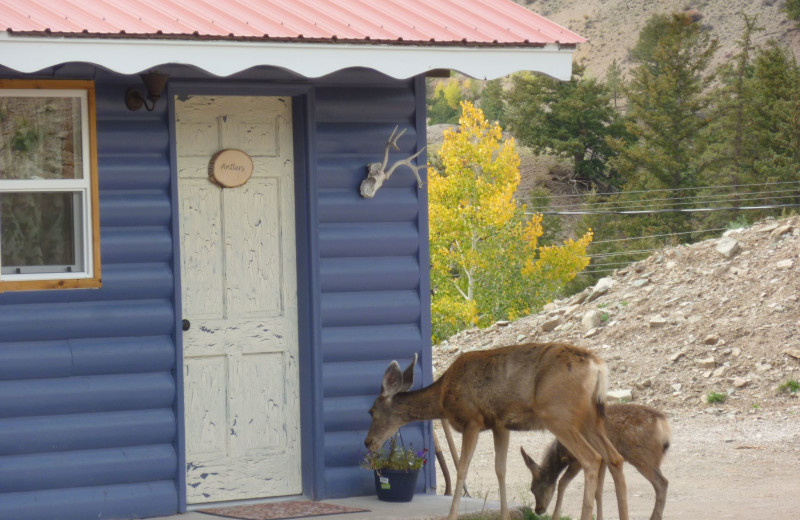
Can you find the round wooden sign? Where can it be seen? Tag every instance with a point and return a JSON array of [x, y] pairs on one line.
[[230, 168]]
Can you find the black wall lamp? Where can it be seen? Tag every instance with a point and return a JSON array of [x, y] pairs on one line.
[[154, 83]]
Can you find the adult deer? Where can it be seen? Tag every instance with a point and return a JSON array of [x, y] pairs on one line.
[[555, 386], [641, 435]]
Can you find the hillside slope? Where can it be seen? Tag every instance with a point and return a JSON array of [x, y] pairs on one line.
[[612, 26], [685, 322]]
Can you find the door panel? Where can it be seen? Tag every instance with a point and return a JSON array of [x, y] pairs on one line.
[[201, 252], [252, 261], [239, 293]]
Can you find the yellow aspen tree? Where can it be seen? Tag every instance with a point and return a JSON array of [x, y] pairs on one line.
[[486, 262]]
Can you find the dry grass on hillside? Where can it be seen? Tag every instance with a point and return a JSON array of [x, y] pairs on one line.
[[612, 26]]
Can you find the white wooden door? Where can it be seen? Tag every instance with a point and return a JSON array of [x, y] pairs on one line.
[[241, 380]]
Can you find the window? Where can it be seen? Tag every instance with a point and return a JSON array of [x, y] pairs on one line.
[[49, 226]]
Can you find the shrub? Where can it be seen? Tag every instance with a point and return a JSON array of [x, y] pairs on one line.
[[790, 386], [395, 458]]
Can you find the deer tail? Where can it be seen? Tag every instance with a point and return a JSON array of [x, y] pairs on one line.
[[600, 390], [664, 431]]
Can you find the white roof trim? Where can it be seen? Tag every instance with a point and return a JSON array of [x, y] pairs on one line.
[[223, 58]]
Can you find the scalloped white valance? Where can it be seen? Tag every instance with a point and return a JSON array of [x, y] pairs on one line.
[[29, 54]]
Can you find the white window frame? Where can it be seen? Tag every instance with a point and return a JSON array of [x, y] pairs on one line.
[[86, 272]]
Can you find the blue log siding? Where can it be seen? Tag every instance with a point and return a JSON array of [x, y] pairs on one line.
[[87, 377], [373, 266], [89, 411]]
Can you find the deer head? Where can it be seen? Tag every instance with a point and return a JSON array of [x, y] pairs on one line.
[[640, 433], [378, 172], [541, 487], [385, 420]]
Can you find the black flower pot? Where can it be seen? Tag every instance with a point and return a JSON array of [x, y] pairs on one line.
[[393, 485]]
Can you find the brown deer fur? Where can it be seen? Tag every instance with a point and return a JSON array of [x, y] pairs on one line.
[[641, 435], [555, 386]]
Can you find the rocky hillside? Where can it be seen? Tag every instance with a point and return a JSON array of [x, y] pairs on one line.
[[720, 316], [612, 26]]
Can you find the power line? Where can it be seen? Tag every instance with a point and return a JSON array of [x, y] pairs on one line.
[[606, 264], [620, 253], [657, 236], [664, 190], [723, 197], [595, 271], [664, 210], [645, 207]]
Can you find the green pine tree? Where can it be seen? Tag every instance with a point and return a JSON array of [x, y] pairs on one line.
[[440, 111], [667, 102], [733, 134], [572, 119], [614, 81], [667, 113], [777, 85], [492, 101]]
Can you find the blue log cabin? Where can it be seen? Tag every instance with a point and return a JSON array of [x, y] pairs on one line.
[[197, 303]]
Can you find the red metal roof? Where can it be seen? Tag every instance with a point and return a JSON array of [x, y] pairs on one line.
[[475, 22]]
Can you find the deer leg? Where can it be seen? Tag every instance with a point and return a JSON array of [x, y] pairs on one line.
[[588, 458], [614, 460], [598, 494], [660, 485], [501, 437], [448, 488], [469, 440], [451, 444], [572, 470]]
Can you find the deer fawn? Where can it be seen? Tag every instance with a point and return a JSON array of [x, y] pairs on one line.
[[555, 386], [641, 435]]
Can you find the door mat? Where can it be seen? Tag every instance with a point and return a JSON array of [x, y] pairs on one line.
[[278, 510]]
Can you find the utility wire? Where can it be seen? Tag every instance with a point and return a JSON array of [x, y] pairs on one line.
[[656, 236], [723, 197], [664, 210], [606, 264], [597, 271], [665, 190], [620, 253], [644, 207]]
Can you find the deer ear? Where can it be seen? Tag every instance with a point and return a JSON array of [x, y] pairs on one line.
[[392, 380], [529, 461], [408, 375]]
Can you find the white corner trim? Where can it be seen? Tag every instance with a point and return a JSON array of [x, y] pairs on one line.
[[223, 58]]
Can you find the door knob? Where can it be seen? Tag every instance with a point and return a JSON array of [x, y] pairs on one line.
[[186, 325]]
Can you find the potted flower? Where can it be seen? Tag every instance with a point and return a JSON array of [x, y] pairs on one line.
[[395, 469]]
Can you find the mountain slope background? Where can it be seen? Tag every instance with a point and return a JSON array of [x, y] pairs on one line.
[[717, 316], [612, 26], [674, 328], [685, 323]]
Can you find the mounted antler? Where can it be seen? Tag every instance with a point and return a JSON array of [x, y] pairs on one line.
[[377, 172]]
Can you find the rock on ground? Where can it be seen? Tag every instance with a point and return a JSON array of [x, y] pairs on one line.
[[684, 323], [703, 323]]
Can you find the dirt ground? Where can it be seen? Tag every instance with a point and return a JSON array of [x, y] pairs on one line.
[[685, 323], [718, 467]]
